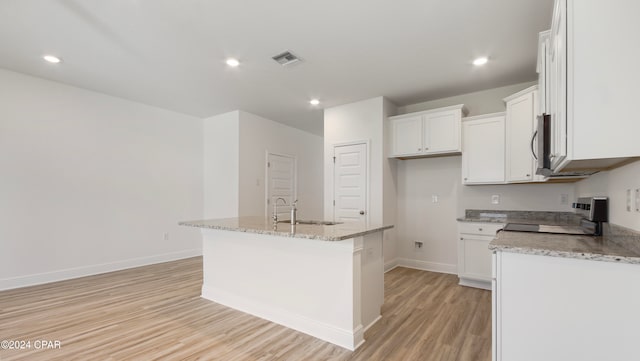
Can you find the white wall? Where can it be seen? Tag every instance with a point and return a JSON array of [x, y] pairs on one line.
[[419, 219], [360, 121], [434, 224], [259, 135], [519, 197], [389, 190], [221, 164], [364, 121], [480, 102], [91, 182], [614, 184], [235, 146]]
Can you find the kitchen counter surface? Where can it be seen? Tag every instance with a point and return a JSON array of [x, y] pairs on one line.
[[617, 245], [262, 225]]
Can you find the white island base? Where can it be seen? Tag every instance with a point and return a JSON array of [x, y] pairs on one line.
[[332, 290]]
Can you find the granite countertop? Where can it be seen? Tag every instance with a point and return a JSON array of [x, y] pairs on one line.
[[262, 225], [617, 245]]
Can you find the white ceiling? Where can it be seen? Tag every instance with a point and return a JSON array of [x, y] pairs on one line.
[[171, 53]]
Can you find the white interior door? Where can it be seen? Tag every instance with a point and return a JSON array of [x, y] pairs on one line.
[[350, 183], [281, 183]]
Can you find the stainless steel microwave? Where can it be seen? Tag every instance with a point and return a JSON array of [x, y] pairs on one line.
[[543, 155]]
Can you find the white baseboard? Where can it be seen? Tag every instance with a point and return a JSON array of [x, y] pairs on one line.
[[349, 339], [428, 266], [70, 273], [372, 323], [388, 266], [475, 283]]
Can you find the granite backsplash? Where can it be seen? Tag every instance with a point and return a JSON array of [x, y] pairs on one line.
[[542, 216]]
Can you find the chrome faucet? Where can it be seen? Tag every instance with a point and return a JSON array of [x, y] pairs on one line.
[[275, 209]]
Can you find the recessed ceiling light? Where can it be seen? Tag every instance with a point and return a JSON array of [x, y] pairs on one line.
[[480, 61], [233, 62], [314, 102], [51, 59]]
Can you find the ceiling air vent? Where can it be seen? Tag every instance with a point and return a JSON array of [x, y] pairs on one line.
[[286, 58]]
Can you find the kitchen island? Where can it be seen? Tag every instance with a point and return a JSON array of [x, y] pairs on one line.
[[323, 280]]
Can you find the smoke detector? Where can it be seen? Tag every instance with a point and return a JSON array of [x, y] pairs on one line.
[[287, 58]]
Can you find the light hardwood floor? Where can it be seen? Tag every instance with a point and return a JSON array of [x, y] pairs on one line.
[[155, 312]]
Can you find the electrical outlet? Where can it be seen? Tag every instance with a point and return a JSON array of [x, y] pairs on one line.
[[434, 198], [564, 198], [165, 236], [628, 200], [417, 245], [495, 199]]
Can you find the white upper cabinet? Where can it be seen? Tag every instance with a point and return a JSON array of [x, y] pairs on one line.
[[593, 78], [483, 151], [543, 72], [441, 131], [558, 84], [432, 132], [407, 135], [520, 131]]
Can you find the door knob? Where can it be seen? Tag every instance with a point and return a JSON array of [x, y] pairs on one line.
[[361, 212]]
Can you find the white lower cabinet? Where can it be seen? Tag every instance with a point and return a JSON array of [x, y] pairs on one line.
[[559, 309], [474, 257]]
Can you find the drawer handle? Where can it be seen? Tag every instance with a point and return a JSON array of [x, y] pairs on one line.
[[480, 229]]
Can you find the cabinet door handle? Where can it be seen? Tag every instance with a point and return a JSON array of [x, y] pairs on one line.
[[533, 138], [462, 239], [419, 149], [480, 229], [528, 175]]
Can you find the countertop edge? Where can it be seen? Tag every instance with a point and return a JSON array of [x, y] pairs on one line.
[[565, 254], [497, 220], [285, 234]]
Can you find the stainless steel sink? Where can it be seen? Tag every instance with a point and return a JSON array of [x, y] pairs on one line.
[[320, 223]]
